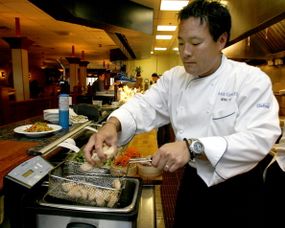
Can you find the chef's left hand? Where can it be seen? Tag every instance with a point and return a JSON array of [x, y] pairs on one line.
[[171, 156]]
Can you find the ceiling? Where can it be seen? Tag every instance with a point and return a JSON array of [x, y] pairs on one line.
[[52, 39]]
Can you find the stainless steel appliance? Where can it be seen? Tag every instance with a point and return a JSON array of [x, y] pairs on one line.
[[28, 206]]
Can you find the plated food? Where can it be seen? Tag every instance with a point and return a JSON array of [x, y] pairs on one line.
[[37, 129]]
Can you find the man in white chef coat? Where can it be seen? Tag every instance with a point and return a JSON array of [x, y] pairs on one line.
[[225, 119]]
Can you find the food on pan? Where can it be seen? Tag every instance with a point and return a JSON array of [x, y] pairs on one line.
[[113, 199], [39, 127], [75, 191], [66, 186], [99, 197], [116, 184], [92, 194], [86, 166]]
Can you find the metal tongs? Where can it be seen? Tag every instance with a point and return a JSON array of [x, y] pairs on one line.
[[147, 159]]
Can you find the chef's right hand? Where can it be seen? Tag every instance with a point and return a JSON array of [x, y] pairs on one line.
[[106, 134]]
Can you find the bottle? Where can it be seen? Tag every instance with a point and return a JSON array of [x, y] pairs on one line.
[[64, 110], [64, 86]]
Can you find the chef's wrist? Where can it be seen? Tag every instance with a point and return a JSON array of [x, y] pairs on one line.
[[115, 122], [195, 152]]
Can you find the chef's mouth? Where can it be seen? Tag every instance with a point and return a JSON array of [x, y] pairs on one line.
[[189, 63]]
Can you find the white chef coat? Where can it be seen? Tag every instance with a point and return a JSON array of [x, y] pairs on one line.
[[233, 112]]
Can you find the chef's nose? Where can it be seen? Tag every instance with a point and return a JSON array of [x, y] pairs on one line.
[[187, 50]]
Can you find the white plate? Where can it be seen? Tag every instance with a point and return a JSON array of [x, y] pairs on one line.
[[21, 130], [51, 111], [78, 119]]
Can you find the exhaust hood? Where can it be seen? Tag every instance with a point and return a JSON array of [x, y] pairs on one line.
[[266, 44], [128, 23]]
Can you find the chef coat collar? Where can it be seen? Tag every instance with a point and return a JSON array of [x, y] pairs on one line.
[[216, 73]]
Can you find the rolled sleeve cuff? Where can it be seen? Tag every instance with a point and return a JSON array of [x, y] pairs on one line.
[[128, 125], [215, 147]]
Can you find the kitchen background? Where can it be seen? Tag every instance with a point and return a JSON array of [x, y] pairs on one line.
[[125, 34]]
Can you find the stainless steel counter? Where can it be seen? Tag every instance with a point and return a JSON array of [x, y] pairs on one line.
[[146, 214]]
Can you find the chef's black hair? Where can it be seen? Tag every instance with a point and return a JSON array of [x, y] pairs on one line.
[[212, 12]]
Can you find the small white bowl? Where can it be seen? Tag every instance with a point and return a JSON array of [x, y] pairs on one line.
[[148, 171]]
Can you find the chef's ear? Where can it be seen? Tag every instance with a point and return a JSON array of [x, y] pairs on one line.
[[222, 40]]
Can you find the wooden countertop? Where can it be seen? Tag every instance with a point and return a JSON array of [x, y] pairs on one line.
[[12, 153], [14, 147]]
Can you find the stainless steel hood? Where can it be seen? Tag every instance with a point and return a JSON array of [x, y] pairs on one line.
[[257, 34], [267, 44], [128, 23], [258, 30]]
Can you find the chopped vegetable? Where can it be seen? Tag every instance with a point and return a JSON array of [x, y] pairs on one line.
[[132, 152], [124, 157], [122, 160]]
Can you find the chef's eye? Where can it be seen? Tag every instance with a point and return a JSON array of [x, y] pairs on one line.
[[196, 43]]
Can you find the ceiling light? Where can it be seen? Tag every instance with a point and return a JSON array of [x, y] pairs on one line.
[[160, 49], [175, 49], [163, 37], [172, 5], [166, 27]]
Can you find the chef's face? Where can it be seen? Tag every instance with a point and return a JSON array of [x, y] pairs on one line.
[[200, 54]]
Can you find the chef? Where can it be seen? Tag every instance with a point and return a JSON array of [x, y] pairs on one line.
[[225, 119]]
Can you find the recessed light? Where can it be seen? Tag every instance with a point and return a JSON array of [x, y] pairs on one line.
[[160, 49], [166, 27], [175, 49], [172, 5], [163, 37]]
